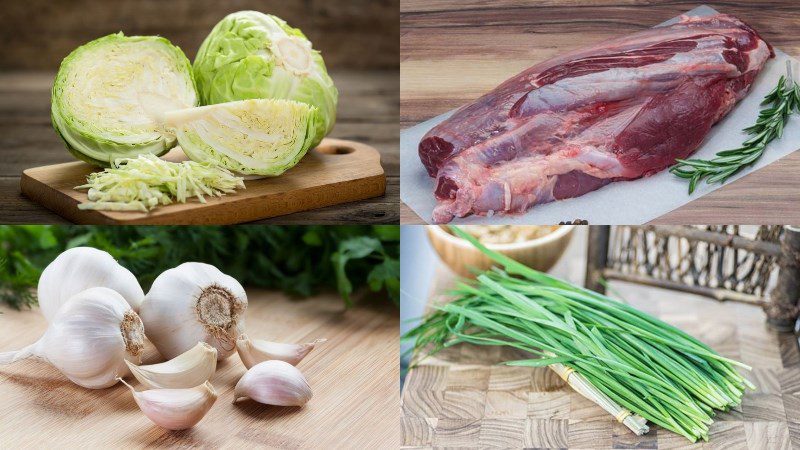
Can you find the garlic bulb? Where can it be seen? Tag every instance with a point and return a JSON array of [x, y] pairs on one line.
[[187, 370], [81, 268], [274, 383], [254, 351], [89, 339], [175, 409], [193, 303]]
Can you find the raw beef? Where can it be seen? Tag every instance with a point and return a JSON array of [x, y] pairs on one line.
[[618, 111]]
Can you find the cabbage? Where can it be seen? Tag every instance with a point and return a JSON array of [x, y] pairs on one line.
[[106, 91], [256, 137], [145, 182], [252, 55]]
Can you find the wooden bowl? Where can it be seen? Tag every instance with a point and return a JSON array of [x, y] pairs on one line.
[[540, 253]]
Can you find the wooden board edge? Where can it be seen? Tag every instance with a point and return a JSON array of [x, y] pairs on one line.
[[368, 187], [46, 196], [350, 190]]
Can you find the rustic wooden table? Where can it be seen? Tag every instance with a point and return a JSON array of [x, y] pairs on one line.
[[368, 112], [354, 377], [453, 51], [462, 398]]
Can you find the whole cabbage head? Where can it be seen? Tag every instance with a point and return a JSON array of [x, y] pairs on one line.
[[251, 55], [107, 91]]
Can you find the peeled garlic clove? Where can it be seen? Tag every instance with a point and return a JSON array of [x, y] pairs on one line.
[[254, 351], [175, 409], [274, 383], [187, 370], [81, 268], [193, 303]]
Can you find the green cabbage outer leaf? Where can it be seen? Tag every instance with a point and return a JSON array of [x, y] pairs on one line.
[[252, 55], [102, 97], [254, 137]]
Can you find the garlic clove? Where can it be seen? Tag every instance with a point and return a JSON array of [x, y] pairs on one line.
[[274, 383], [254, 351], [175, 409], [189, 369]]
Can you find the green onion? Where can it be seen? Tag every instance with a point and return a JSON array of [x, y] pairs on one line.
[[645, 365]]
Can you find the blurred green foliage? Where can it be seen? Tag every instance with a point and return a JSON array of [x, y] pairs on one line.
[[298, 260]]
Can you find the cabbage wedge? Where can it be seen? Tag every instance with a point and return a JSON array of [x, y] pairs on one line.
[[107, 91], [252, 55], [253, 137]]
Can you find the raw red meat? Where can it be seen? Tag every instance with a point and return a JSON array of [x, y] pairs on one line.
[[618, 111]]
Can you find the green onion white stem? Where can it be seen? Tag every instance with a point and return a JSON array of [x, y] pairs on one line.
[[581, 385]]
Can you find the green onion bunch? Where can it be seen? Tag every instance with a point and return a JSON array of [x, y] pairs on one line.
[[645, 365]]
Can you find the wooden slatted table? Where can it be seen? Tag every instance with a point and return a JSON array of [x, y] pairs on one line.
[[354, 377], [453, 51], [462, 398]]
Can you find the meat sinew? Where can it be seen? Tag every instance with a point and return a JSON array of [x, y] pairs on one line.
[[618, 111]]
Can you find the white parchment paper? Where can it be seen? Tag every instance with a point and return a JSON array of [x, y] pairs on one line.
[[623, 202]]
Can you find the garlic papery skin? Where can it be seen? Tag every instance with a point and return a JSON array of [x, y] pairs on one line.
[[274, 383], [193, 303], [175, 409], [254, 351], [187, 370], [89, 339], [81, 268]]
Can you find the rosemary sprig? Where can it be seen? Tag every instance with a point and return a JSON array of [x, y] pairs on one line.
[[782, 101]]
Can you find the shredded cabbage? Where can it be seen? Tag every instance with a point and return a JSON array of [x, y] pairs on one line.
[[145, 182]]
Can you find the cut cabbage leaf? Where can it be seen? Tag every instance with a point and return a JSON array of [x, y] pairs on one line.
[[254, 137], [145, 182], [250, 55], [101, 97]]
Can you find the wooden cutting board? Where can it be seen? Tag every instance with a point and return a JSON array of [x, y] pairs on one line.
[[354, 377], [462, 398], [337, 171]]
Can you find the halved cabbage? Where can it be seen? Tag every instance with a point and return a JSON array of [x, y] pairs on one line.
[[254, 55], [106, 91], [256, 137]]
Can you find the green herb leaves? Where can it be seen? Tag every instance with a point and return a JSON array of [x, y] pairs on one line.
[[784, 99], [384, 273], [299, 260]]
